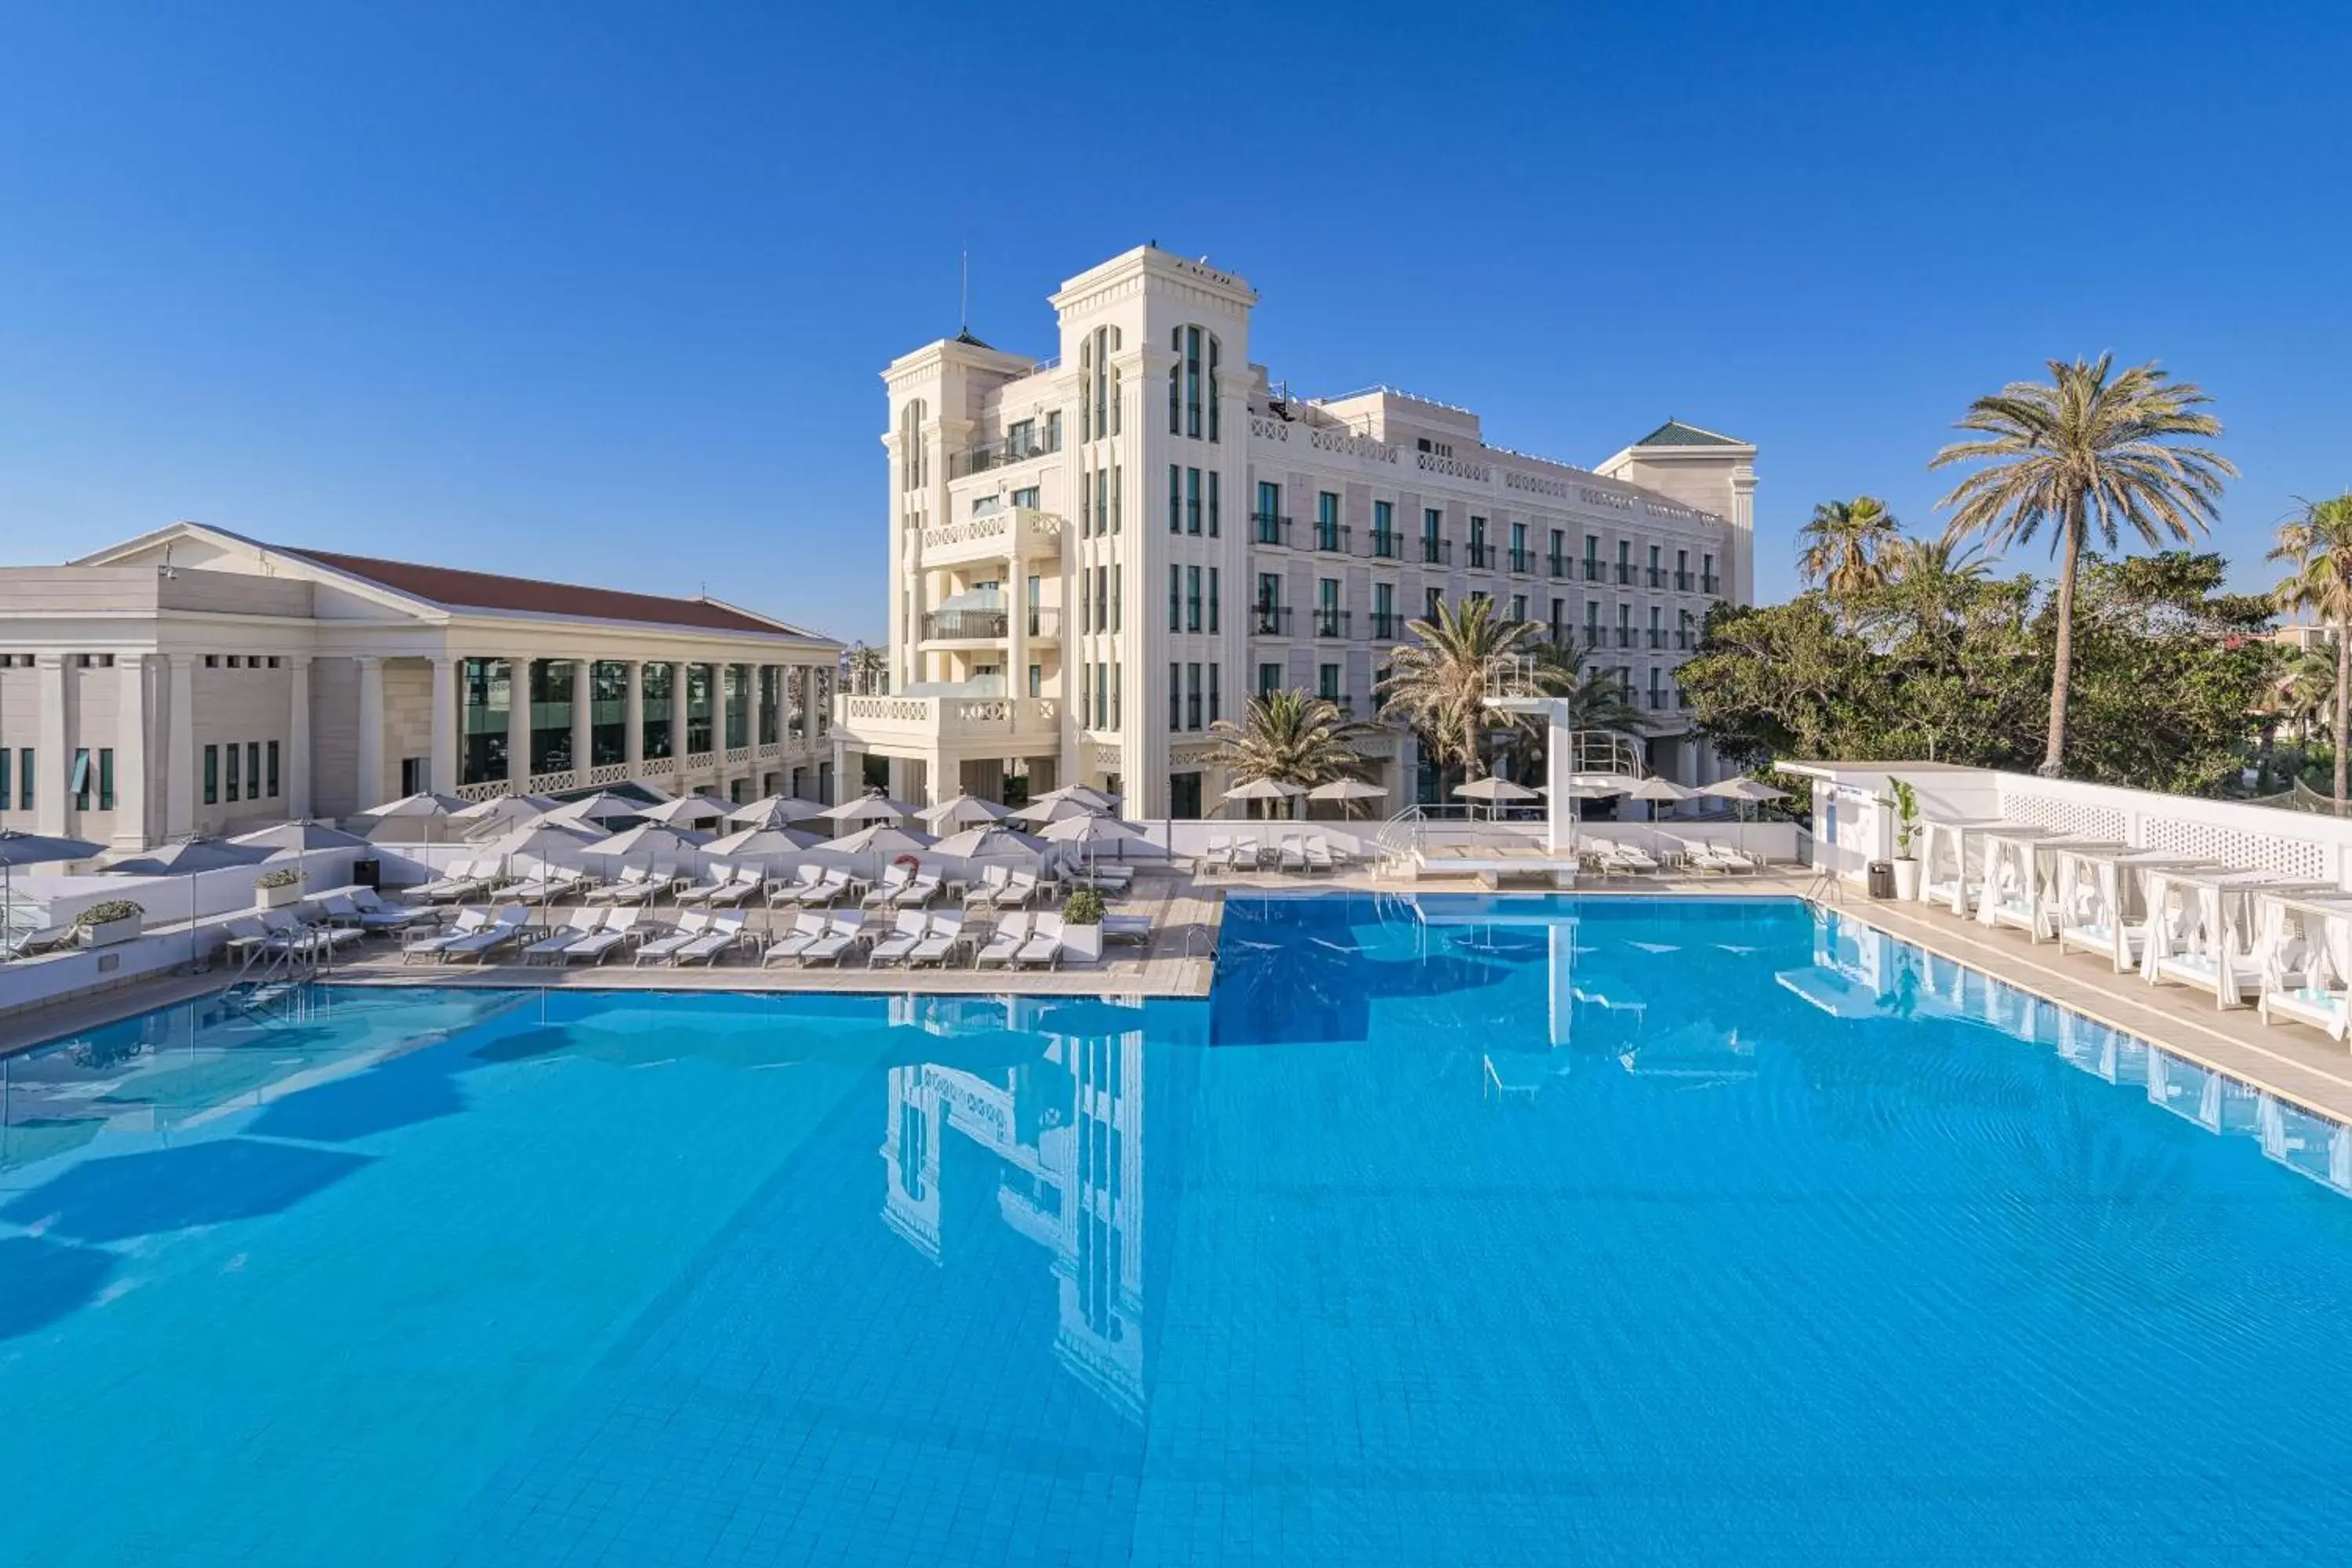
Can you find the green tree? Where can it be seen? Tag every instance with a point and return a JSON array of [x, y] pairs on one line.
[[1439, 681], [2092, 454], [2317, 541], [1848, 545], [1291, 738]]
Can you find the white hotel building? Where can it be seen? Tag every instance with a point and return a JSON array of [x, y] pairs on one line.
[[1094, 558]]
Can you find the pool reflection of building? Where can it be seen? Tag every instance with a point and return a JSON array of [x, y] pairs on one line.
[[1069, 1130], [1860, 972]]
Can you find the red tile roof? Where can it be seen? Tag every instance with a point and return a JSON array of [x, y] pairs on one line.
[[525, 595]]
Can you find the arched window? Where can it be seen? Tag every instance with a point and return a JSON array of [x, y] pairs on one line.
[[1192, 380], [912, 469]]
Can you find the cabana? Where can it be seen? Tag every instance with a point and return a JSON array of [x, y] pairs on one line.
[[2102, 898], [1946, 863], [2307, 974], [2020, 877], [2201, 930]]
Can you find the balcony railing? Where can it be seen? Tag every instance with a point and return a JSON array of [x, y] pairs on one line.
[[1654, 576], [991, 455], [1331, 537], [1521, 560], [1387, 627], [1481, 555], [1685, 581], [1272, 620], [1592, 569], [1333, 623], [1387, 546], [1270, 529], [1624, 636], [1657, 637], [1685, 640], [1045, 620], [1710, 585], [947, 718], [1437, 552], [970, 626], [1624, 575], [1557, 565]]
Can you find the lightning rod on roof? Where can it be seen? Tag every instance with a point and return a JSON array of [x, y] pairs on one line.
[[963, 290]]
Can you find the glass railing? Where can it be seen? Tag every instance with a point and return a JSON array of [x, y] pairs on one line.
[[991, 455], [990, 625]]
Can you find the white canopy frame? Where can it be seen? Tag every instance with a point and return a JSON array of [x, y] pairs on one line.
[[1944, 862], [2102, 898], [2020, 872], [2306, 976], [2202, 932]]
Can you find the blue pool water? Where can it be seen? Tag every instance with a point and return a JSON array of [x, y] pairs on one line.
[[1611, 1231]]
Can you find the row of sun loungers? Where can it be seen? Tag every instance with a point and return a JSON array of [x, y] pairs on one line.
[[1300, 854]]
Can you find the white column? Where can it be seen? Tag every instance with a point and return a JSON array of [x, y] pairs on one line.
[[1559, 768], [443, 769], [633, 743], [131, 753], [677, 720], [370, 738], [52, 762], [518, 723], [582, 721], [180, 759], [297, 738]]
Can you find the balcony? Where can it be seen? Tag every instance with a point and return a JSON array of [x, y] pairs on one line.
[[1657, 637], [1624, 636], [1333, 623], [1437, 552], [1654, 576], [1387, 546], [1387, 627], [1481, 555], [1521, 561], [993, 454], [1685, 641], [1008, 533], [1557, 565], [1592, 569], [1045, 621], [1270, 620], [942, 722], [1685, 581], [1711, 585], [1269, 528], [1624, 575], [1332, 538], [966, 626]]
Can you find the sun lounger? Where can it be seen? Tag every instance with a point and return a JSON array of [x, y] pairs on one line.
[[1291, 855], [725, 932], [1017, 891], [918, 893], [994, 880], [1127, 928], [901, 940], [1044, 948], [240, 937], [505, 928], [788, 891], [463, 877], [581, 924], [940, 944], [714, 882], [427, 949], [41, 939], [808, 929], [746, 882], [690, 925], [828, 892], [842, 938], [634, 882], [1318, 856], [1004, 943], [894, 880], [377, 913], [619, 927]]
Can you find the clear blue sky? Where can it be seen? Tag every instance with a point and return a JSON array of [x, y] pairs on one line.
[[602, 291]]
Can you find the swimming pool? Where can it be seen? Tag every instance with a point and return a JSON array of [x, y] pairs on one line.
[[1527, 1230]]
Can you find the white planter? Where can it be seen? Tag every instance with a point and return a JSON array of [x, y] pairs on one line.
[[1906, 880], [277, 897], [106, 934], [1083, 942]]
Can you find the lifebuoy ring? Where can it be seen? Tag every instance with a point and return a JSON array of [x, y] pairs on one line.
[[912, 862]]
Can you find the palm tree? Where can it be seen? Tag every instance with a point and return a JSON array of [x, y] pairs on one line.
[[2318, 541], [867, 669], [1291, 738], [1908, 560], [1847, 545], [2090, 454], [1439, 682], [2307, 692]]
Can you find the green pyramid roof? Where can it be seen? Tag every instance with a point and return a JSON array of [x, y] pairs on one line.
[[1675, 433]]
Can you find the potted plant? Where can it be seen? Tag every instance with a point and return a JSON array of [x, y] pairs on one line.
[[103, 925], [1906, 827], [277, 888], [1082, 915]]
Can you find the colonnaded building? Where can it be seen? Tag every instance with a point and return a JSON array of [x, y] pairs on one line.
[[1095, 557], [192, 680]]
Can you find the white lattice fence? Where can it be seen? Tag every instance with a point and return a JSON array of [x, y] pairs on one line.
[[2262, 850], [2081, 818]]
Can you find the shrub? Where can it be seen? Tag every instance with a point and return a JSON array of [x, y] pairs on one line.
[[110, 910], [1083, 907], [283, 877]]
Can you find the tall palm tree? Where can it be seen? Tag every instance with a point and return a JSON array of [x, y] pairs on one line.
[[868, 669], [2318, 541], [1439, 681], [2307, 692], [2090, 454], [1909, 559], [1291, 738], [1847, 545]]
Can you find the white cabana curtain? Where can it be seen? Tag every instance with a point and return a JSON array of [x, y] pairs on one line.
[[2170, 916]]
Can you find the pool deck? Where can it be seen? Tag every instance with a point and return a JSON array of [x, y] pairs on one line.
[[2295, 1063]]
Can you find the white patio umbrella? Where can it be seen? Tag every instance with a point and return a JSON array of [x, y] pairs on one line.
[[21, 848], [1088, 831], [543, 839], [301, 839], [1659, 791], [601, 807], [1084, 794], [962, 811], [1041, 811], [1494, 791], [992, 841], [1265, 790], [422, 818], [504, 811], [776, 811], [764, 845], [871, 806], [878, 843], [1746, 794], [1347, 792], [687, 811], [187, 858]]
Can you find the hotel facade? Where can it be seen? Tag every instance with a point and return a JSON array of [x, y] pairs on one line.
[[1095, 558], [193, 680]]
